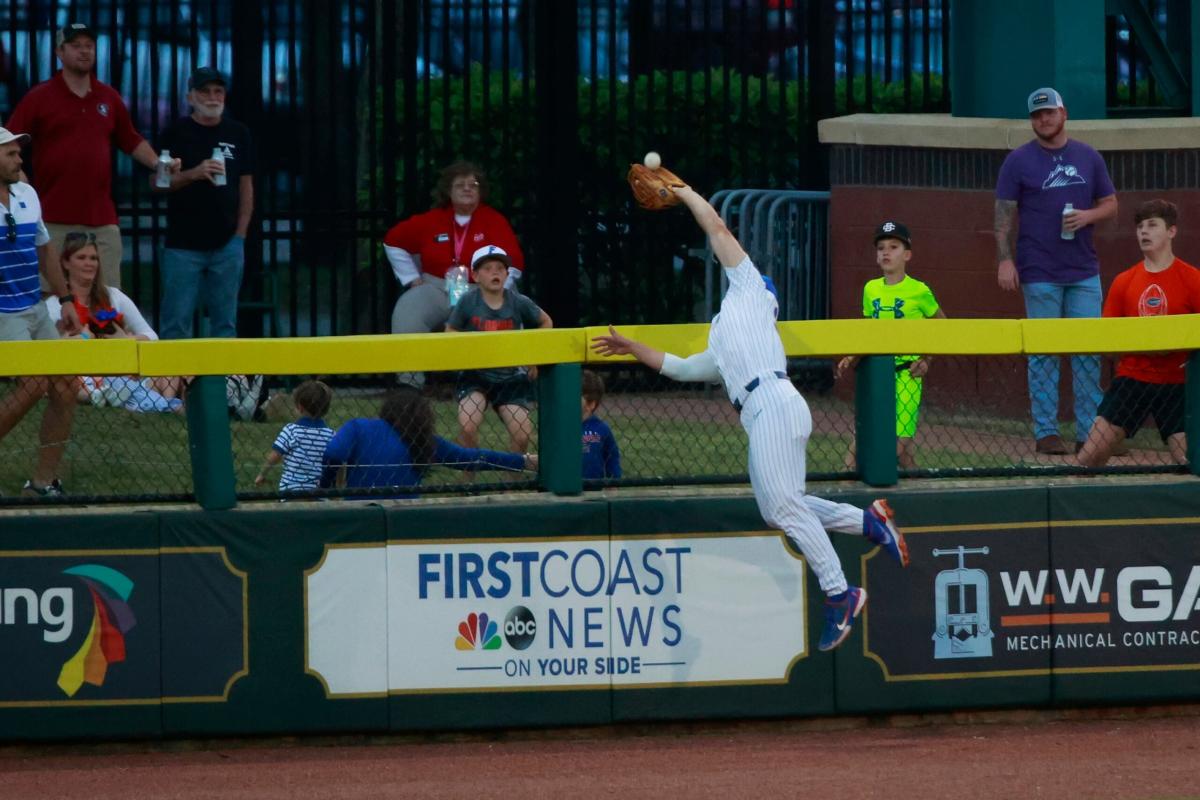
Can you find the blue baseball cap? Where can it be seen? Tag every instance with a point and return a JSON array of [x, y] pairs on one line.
[[1044, 98]]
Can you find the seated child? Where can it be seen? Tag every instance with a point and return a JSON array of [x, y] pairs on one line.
[[508, 389], [601, 456], [301, 444]]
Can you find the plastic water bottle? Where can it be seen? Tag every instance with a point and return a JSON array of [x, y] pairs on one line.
[[1066, 234], [219, 155], [456, 283], [162, 171]]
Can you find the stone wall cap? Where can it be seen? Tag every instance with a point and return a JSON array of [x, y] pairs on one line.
[[988, 133]]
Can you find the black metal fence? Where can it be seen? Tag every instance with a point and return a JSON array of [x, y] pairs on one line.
[[355, 106], [1148, 58]]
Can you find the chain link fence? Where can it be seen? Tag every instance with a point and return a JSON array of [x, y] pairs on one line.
[[126, 440]]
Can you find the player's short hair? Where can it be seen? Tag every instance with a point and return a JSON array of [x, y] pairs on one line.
[[1165, 210], [459, 169], [593, 387], [313, 397]]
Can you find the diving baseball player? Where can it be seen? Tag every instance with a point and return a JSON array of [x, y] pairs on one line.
[[745, 352]]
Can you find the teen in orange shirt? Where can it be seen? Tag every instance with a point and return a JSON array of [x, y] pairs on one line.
[[1147, 383]]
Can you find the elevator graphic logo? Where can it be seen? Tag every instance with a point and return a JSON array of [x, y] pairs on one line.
[[1008, 602], [111, 619]]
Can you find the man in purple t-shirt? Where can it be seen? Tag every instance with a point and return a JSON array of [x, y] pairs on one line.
[[1055, 266]]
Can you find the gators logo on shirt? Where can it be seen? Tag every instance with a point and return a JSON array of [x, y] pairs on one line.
[[1153, 302]]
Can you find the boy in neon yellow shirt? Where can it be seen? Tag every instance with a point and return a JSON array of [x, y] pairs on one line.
[[897, 295]]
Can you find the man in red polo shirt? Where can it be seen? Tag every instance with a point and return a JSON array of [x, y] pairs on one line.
[[74, 120]]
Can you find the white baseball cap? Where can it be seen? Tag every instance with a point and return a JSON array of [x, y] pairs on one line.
[[490, 252], [7, 136]]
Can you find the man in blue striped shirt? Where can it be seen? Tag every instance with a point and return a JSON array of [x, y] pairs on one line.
[[25, 252]]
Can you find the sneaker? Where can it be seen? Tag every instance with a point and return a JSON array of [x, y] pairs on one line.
[[1051, 445], [879, 526], [54, 489], [839, 617]]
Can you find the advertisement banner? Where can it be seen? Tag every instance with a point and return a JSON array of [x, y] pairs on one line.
[[1075, 597], [119, 627], [559, 613]]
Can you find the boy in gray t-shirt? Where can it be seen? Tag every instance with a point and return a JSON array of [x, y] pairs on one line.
[[509, 390]]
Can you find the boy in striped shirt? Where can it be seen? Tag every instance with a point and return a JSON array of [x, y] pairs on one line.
[[301, 444]]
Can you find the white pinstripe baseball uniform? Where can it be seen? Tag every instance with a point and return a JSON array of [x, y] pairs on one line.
[[744, 348]]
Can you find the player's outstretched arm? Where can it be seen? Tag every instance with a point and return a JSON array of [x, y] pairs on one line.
[[614, 344], [729, 252]]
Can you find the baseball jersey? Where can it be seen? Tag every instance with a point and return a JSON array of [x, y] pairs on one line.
[[19, 288], [72, 141], [908, 299], [1042, 181], [435, 241], [742, 339], [601, 456], [1137, 292], [302, 445], [516, 312]]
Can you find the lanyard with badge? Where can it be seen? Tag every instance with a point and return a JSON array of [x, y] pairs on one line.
[[459, 241]]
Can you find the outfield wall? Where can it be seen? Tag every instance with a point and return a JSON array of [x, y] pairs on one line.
[[361, 618]]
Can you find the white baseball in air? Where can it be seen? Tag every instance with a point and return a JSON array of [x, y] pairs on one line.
[[652, 160]]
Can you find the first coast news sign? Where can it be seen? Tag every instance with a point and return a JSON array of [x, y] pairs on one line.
[[439, 615]]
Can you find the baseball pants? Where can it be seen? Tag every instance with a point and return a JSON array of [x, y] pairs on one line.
[[778, 422]]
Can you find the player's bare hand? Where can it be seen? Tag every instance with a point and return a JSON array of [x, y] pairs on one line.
[[531, 462], [614, 344], [1006, 276], [844, 366], [919, 368], [260, 479]]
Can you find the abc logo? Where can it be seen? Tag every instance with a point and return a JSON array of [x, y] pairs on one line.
[[519, 628]]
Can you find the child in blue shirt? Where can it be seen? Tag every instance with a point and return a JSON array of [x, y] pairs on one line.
[[601, 456], [301, 444]]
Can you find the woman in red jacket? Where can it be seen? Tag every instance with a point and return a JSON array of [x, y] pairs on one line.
[[422, 248]]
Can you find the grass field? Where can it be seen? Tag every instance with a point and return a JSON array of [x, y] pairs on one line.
[[675, 437]]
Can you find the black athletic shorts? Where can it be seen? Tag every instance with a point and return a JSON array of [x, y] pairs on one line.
[[515, 392], [1128, 402]]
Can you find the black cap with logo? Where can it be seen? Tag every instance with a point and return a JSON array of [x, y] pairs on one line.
[[73, 30], [893, 230]]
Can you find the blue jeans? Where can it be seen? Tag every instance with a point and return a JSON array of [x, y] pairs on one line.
[[1059, 301], [213, 276]]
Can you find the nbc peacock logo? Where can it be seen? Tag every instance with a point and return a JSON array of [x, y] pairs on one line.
[[112, 618], [477, 632]]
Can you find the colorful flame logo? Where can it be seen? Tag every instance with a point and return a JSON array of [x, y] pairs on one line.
[[477, 632], [112, 618]]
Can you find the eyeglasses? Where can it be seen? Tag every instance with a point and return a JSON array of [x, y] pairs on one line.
[[12, 226], [79, 238]]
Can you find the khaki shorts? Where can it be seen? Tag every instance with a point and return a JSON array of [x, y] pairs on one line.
[[26, 326], [108, 243]]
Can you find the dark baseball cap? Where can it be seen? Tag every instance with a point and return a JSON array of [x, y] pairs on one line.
[[205, 75], [71, 30], [893, 230]]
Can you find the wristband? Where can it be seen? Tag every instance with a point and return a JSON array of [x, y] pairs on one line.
[[66, 299]]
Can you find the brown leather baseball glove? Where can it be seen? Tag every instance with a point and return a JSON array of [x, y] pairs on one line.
[[654, 189]]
